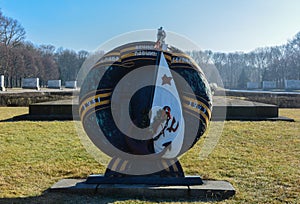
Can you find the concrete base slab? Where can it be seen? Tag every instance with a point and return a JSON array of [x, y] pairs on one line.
[[215, 190], [224, 109]]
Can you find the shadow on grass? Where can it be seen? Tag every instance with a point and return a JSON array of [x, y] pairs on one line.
[[28, 117], [59, 197]]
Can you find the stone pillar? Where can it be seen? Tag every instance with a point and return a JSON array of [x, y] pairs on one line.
[[2, 87]]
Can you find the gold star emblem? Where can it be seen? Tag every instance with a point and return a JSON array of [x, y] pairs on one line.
[[166, 80]]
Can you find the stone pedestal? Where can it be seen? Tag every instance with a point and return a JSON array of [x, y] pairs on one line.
[[209, 190]]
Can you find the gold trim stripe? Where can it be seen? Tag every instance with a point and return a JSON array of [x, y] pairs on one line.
[[128, 49], [192, 64], [94, 105], [198, 103], [168, 57], [196, 116], [117, 54], [94, 92], [177, 54], [186, 66], [165, 165], [116, 162], [147, 58], [90, 113], [105, 63], [186, 56], [127, 55], [123, 165], [188, 93], [136, 48], [197, 111], [102, 95], [174, 165], [123, 59]]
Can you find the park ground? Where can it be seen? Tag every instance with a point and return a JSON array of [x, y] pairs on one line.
[[260, 159]]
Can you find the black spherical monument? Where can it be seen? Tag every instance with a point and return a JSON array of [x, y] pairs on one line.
[[145, 104]]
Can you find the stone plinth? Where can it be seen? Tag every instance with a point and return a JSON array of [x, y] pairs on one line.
[[224, 109]]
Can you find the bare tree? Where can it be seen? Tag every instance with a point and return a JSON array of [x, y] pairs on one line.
[[11, 32], [11, 35], [50, 68]]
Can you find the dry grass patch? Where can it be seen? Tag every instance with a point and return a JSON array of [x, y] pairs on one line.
[[261, 160]]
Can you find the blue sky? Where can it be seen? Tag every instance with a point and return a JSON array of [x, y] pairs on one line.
[[218, 25]]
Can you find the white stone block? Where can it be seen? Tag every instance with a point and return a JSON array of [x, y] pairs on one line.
[[252, 85], [269, 85], [31, 83], [71, 84], [292, 84], [54, 84]]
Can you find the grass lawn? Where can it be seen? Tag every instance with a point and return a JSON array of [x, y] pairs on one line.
[[260, 159]]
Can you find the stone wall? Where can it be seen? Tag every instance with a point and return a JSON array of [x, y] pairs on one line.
[[27, 98], [282, 100]]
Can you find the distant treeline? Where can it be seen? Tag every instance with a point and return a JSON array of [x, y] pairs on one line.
[[276, 63], [19, 59]]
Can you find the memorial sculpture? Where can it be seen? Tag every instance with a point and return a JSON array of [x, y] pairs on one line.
[[173, 111], [145, 104]]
